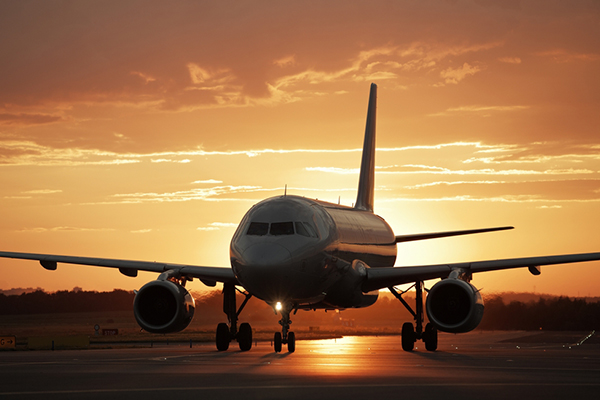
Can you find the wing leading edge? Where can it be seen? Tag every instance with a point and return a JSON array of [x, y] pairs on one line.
[[434, 235], [378, 278], [208, 275]]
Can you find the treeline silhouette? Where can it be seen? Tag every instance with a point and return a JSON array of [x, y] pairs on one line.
[[547, 313], [40, 302], [554, 314]]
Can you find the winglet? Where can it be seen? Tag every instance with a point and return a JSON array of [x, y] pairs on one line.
[[366, 182]]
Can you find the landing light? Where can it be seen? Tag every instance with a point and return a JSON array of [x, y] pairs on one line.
[[278, 306]]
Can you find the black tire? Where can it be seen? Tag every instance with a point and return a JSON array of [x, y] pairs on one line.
[[291, 342], [222, 338], [430, 337], [245, 337], [408, 336], [277, 342]]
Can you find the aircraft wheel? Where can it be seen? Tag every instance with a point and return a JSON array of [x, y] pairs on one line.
[[277, 342], [430, 337], [408, 336], [222, 338], [291, 342], [245, 337]]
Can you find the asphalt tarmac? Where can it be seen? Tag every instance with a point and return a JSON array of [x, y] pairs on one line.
[[468, 366]]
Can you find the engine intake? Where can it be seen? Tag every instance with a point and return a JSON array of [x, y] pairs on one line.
[[454, 305], [163, 307]]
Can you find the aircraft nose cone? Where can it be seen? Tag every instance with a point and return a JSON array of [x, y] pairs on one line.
[[266, 255], [264, 269]]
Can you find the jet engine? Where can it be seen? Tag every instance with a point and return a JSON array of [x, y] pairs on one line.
[[163, 307], [454, 305]]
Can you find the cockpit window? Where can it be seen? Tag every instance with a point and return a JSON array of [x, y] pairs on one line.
[[309, 229], [301, 230], [258, 228], [282, 228]]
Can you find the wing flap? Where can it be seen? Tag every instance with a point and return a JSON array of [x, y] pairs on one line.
[[129, 267]]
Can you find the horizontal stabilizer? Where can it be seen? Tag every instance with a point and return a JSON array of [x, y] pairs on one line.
[[434, 235]]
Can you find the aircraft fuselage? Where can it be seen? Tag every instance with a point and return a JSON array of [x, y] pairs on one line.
[[298, 252]]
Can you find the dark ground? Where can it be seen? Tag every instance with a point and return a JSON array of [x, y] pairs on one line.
[[490, 365]]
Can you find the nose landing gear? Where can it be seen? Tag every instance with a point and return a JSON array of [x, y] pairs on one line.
[[285, 336]]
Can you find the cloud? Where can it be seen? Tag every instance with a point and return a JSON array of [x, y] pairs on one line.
[[285, 61], [481, 110], [25, 119], [565, 56], [64, 229], [209, 181], [455, 75], [22, 153], [147, 78], [418, 169], [216, 193], [166, 160], [142, 231], [43, 191], [215, 226], [510, 60]]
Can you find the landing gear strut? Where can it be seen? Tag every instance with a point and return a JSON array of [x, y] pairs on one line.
[[285, 336], [227, 333], [409, 334]]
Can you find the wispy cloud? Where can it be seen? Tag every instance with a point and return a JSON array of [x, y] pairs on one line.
[[43, 191], [510, 60], [25, 119], [142, 231], [207, 181], [480, 110], [215, 226], [206, 194], [565, 56], [453, 183], [533, 199], [64, 229], [455, 75], [412, 169]]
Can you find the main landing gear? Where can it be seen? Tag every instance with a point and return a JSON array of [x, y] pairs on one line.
[[227, 333], [285, 336], [409, 334]]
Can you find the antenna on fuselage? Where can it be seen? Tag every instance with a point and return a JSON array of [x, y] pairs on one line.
[[366, 181], [285, 190]]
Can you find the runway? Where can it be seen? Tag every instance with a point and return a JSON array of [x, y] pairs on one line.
[[475, 365]]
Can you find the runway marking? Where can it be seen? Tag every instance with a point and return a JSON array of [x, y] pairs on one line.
[[295, 387]]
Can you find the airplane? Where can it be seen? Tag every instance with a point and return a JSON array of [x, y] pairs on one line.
[[296, 253]]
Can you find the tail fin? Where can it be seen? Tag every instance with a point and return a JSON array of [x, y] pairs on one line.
[[366, 182]]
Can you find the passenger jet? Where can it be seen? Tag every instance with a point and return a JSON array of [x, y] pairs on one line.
[[296, 253]]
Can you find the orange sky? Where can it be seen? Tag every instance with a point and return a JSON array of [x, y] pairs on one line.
[[145, 129]]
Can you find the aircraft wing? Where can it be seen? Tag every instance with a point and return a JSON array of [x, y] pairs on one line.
[[434, 235], [378, 278], [208, 275]]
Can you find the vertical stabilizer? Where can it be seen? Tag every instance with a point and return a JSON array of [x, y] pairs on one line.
[[366, 182]]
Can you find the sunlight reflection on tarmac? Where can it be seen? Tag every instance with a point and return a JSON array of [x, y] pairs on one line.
[[466, 366]]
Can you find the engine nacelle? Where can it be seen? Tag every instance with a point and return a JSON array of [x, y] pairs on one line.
[[163, 307], [454, 305]]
